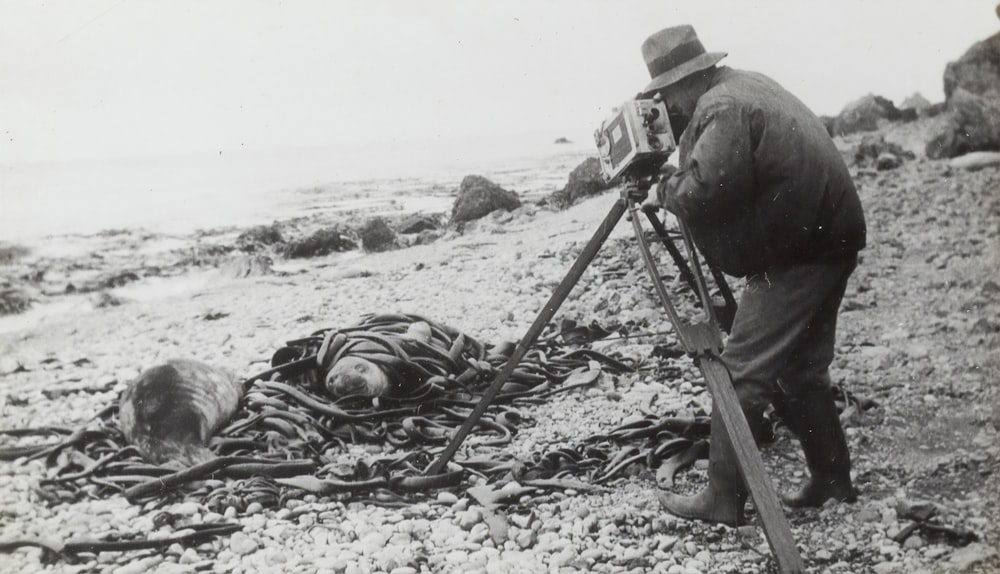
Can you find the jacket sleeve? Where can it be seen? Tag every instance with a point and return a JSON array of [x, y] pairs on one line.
[[715, 179]]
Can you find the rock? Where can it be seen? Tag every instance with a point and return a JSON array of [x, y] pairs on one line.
[[102, 299], [887, 161], [863, 115], [917, 102], [322, 242], [977, 71], [562, 141], [478, 196], [256, 238], [584, 181], [874, 150], [241, 544], [971, 124], [965, 558], [117, 280], [416, 223], [14, 301], [377, 236]]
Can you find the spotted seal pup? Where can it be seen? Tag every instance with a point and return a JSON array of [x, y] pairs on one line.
[[170, 411]]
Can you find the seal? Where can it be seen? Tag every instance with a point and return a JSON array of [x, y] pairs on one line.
[[170, 411], [359, 376]]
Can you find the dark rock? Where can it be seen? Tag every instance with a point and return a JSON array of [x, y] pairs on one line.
[[376, 236], [875, 151], [977, 71], [103, 299], [863, 115], [971, 124], [322, 242], [14, 301], [887, 161], [11, 253], [936, 109], [242, 266], [584, 181], [417, 222], [256, 237], [118, 280], [478, 196]]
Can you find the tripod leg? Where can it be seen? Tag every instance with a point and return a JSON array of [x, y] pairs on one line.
[[544, 316]]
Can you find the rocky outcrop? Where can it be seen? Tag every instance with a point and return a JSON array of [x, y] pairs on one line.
[[977, 71], [478, 196], [917, 102], [322, 242], [256, 238], [972, 89], [416, 223], [864, 115], [584, 181], [874, 151], [971, 124], [377, 236]]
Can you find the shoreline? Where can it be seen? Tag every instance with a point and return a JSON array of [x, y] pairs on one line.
[[931, 374]]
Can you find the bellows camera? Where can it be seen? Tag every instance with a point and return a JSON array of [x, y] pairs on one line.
[[635, 140]]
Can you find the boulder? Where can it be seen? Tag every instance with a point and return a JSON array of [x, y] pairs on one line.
[[322, 242], [875, 151], [377, 236], [255, 238], [584, 181], [972, 123], [417, 222], [478, 196], [863, 115], [14, 301], [977, 71]]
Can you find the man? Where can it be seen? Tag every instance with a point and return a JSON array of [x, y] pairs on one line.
[[766, 196]]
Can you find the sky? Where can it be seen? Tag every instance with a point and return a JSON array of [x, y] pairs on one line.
[[88, 79]]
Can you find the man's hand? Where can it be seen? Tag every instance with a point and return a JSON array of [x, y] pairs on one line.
[[655, 200]]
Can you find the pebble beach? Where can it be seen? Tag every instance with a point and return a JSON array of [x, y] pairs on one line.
[[918, 337]]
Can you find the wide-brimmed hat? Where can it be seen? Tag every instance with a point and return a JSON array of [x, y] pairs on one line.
[[674, 53]]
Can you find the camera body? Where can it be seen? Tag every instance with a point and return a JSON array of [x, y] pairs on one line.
[[635, 140]]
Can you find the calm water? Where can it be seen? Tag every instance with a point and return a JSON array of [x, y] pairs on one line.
[[181, 194]]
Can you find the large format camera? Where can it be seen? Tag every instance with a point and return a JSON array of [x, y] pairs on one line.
[[635, 140]]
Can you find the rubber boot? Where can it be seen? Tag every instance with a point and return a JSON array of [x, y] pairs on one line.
[[814, 419], [723, 500]]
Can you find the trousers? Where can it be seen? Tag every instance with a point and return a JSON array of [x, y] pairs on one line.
[[784, 332]]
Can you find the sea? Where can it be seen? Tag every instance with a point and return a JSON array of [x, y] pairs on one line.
[[183, 193]]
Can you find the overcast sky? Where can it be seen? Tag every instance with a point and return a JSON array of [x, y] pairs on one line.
[[107, 78]]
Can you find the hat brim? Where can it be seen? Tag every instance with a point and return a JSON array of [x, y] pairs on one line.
[[698, 63]]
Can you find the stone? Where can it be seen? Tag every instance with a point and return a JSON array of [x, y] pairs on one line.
[[258, 237], [972, 123], [376, 236], [863, 115], [965, 558], [241, 544], [584, 181], [321, 242], [478, 197], [416, 223], [977, 71], [917, 102]]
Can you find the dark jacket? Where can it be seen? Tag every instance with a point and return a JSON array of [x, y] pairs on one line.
[[761, 184]]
